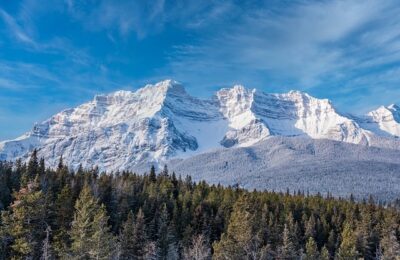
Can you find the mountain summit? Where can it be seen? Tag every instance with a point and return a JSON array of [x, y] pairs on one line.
[[156, 123]]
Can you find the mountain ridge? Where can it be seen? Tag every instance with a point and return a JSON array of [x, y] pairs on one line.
[[160, 122]]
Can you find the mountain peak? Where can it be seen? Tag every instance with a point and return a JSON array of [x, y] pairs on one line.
[[394, 107], [160, 121], [167, 86]]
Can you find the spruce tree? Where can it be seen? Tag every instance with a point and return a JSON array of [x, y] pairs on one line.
[[132, 238], [347, 249], [26, 222], [324, 254], [33, 166], [139, 235], [152, 175], [126, 238], [102, 240], [166, 243], [311, 250], [64, 209], [90, 232], [310, 228], [240, 241], [390, 246], [287, 250]]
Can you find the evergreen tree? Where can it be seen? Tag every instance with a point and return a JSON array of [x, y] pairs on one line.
[[102, 241], [311, 250], [324, 254], [347, 249], [166, 244], [152, 175], [287, 250], [90, 233], [390, 246], [133, 237], [310, 228], [25, 224], [64, 209], [240, 241], [126, 238], [33, 166]]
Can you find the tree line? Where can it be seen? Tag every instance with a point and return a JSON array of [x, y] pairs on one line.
[[64, 214]]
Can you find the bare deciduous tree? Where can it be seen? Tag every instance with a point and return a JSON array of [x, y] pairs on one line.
[[198, 250]]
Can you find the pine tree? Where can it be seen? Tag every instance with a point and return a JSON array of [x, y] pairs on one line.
[[166, 244], [152, 175], [311, 250], [287, 250], [132, 238], [240, 241], [126, 238], [82, 225], [150, 250], [26, 222], [347, 249], [90, 233], [33, 165], [64, 209], [324, 254], [390, 246], [102, 240], [310, 228], [139, 235]]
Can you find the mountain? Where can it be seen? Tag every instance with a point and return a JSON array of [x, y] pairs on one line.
[[160, 122], [299, 163]]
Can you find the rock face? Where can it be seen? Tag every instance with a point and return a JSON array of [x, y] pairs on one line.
[[129, 130]]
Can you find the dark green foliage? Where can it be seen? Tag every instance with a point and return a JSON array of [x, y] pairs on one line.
[[86, 215]]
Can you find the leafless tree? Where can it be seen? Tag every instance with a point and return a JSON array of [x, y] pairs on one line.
[[198, 250]]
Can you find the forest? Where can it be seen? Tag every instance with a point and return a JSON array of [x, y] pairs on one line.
[[84, 214]]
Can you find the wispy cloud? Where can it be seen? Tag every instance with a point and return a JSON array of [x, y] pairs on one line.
[[146, 17], [326, 47], [15, 29], [348, 51]]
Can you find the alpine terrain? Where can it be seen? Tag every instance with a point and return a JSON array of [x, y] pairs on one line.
[[162, 124]]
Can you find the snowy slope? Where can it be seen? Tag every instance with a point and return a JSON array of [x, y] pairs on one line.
[[157, 123], [384, 120], [303, 164]]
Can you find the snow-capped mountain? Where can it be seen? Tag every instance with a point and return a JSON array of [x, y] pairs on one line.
[[125, 130]]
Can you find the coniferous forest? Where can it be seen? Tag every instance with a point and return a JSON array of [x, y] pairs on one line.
[[62, 214]]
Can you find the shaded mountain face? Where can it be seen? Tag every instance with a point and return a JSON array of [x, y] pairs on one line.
[[157, 123]]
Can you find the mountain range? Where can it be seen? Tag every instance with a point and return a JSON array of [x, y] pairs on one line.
[[162, 124]]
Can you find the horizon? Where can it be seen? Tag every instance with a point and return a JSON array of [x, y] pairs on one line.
[[61, 54]]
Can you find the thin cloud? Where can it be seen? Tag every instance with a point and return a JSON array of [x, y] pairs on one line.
[[307, 45], [15, 29]]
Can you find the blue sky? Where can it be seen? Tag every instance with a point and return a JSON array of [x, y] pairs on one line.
[[58, 54]]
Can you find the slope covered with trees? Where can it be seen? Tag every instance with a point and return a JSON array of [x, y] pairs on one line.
[[53, 214]]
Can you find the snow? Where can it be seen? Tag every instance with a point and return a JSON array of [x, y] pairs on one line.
[[160, 122], [301, 163]]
